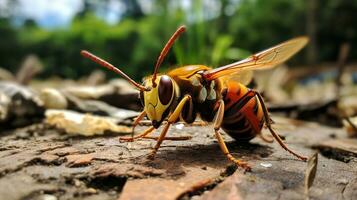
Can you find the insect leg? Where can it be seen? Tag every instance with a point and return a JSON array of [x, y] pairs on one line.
[[137, 121], [131, 139], [172, 119], [188, 115], [199, 123], [169, 138], [147, 132], [265, 138], [275, 135], [217, 125]]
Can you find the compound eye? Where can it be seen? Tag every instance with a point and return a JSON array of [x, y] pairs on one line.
[[165, 89]]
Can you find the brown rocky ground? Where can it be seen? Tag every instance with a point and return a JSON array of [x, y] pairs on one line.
[[37, 162]]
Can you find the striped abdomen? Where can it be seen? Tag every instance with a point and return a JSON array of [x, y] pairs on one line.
[[243, 115]]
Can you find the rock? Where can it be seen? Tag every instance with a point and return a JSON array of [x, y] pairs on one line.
[[155, 188], [4, 106], [75, 167], [90, 92], [117, 93], [78, 160], [125, 170], [53, 99], [98, 107], [57, 99], [25, 105]]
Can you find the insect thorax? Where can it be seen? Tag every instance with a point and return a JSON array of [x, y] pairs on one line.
[[204, 94]]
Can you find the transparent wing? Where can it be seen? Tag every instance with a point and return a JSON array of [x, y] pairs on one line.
[[263, 60], [244, 77]]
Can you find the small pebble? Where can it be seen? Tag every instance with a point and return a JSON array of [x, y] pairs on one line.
[[266, 165], [48, 197], [179, 126], [90, 191], [77, 182]]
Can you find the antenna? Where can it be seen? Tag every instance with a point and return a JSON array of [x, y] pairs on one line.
[[109, 66], [165, 50]]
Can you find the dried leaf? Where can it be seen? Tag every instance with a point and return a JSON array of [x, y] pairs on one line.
[[96, 77], [29, 68], [350, 124], [83, 124], [310, 172]]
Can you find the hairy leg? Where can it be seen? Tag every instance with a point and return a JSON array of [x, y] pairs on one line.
[[137, 121], [172, 118], [217, 125], [132, 138], [268, 123]]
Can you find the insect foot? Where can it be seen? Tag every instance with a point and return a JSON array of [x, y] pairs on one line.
[[245, 166], [303, 158], [240, 163]]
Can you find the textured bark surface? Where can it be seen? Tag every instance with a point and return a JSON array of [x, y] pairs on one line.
[[38, 162]]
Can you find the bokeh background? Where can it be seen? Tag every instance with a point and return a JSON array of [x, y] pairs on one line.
[[131, 33]]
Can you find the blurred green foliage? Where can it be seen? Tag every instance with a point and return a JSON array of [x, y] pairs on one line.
[[134, 43]]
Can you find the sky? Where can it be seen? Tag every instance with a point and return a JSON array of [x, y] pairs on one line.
[[59, 13], [50, 13]]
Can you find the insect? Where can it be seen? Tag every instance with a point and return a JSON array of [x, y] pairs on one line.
[[213, 94]]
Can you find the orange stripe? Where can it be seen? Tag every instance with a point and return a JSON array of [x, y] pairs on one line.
[[235, 91]]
